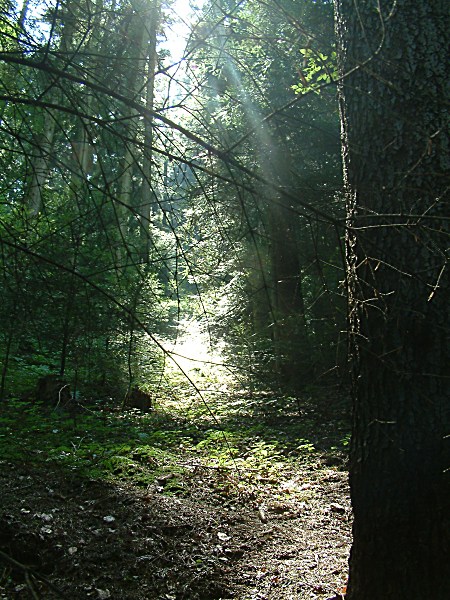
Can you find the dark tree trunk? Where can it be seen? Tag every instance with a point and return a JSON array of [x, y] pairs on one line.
[[289, 328], [290, 334], [396, 154]]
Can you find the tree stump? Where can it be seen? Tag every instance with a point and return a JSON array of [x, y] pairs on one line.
[[137, 398], [53, 390]]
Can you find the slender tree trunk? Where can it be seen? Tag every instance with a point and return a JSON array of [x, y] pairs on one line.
[[145, 31], [289, 329], [66, 328], [44, 142], [290, 333], [7, 352], [23, 14], [396, 155], [147, 185], [40, 166]]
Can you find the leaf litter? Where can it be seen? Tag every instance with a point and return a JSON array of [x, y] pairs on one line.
[[213, 533]]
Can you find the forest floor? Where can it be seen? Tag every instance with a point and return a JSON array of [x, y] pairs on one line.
[[249, 504]]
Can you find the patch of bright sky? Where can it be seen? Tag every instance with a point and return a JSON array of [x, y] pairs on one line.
[[184, 13]]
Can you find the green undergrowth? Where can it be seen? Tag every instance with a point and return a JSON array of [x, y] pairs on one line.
[[233, 446]]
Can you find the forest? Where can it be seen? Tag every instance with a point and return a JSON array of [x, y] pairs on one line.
[[224, 316]]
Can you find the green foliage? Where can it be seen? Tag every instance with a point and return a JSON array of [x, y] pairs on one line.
[[77, 296], [8, 28], [318, 69], [270, 285], [116, 226], [251, 448]]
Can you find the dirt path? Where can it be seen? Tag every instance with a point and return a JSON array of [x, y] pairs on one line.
[[194, 527], [88, 539]]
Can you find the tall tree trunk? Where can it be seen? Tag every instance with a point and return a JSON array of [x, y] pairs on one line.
[[289, 330], [147, 200], [7, 355], [40, 166], [44, 141], [396, 155], [23, 14], [141, 77]]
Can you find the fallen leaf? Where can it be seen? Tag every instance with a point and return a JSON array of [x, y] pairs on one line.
[[46, 530], [109, 519], [262, 515]]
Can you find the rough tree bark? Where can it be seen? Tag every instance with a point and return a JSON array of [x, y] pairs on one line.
[[394, 105]]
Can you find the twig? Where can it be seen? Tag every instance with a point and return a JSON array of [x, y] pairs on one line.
[[31, 586], [28, 571]]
